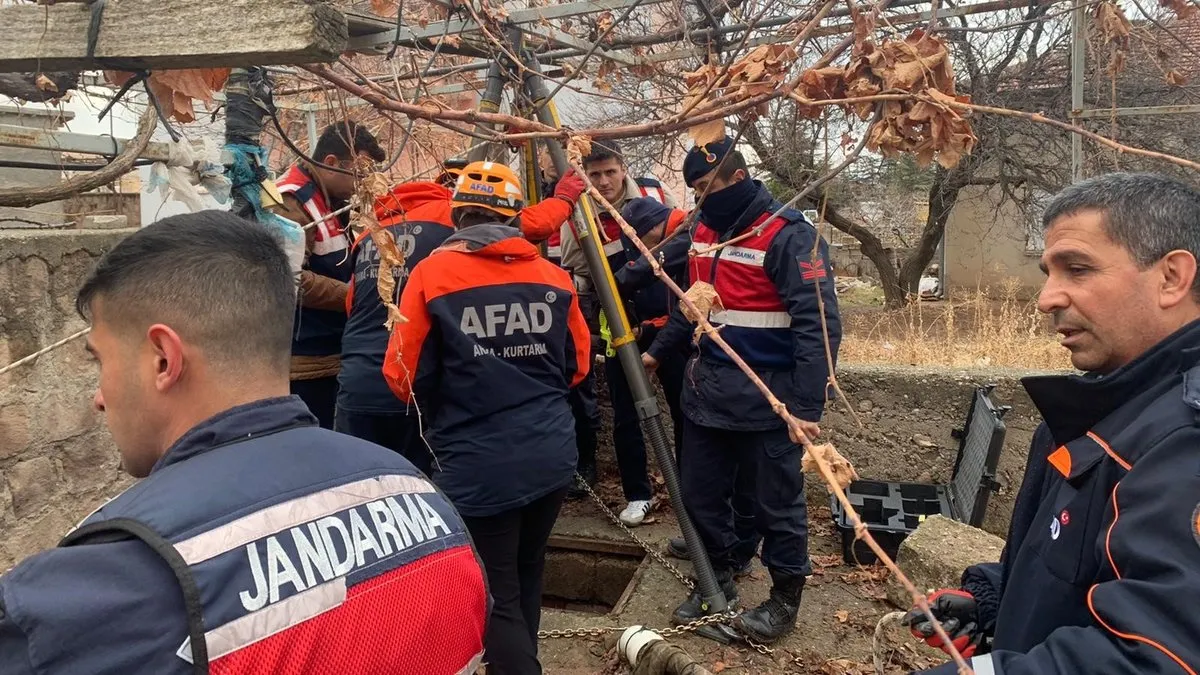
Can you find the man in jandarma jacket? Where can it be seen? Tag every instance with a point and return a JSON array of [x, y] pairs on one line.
[[768, 281], [1101, 573], [255, 542]]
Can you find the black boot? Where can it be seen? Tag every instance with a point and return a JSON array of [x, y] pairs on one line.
[[775, 617], [576, 490], [677, 548], [694, 607]]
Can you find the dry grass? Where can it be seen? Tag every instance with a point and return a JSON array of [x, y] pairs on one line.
[[986, 330]]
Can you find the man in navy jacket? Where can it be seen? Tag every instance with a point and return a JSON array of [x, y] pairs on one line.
[[1101, 573], [768, 281], [255, 542]]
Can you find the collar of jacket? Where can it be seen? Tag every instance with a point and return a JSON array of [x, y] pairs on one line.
[[762, 202], [239, 423], [1072, 404], [490, 239]]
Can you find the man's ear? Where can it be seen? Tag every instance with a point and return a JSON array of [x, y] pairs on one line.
[[739, 175], [1178, 269], [330, 160], [168, 352]]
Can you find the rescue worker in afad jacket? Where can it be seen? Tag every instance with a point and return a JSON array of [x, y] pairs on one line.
[[1101, 572], [256, 542], [768, 283], [493, 342], [417, 215]]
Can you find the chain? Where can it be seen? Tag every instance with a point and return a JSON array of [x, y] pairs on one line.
[[691, 586], [650, 550], [599, 631]]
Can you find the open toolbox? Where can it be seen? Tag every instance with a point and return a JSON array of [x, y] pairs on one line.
[[892, 510]]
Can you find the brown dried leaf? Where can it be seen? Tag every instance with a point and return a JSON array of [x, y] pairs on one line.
[[604, 22], [845, 667], [176, 89], [384, 7], [1175, 78], [822, 83], [843, 472], [708, 132], [44, 83], [1182, 8], [452, 40], [578, 147], [830, 560], [704, 296], [718, 667], [1112, 24], [842, 616], [496, 12]]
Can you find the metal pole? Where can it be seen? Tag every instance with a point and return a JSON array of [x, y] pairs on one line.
[[311, 118], [623, 340], [488, 103], [1078, 61]]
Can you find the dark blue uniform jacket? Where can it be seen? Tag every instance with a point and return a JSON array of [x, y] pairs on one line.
[[716, 393], [1101, 573]]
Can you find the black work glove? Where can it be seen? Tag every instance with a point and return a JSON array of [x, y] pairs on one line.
[[958, 613]]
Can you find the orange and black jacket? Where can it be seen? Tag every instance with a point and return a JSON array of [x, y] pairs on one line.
[[493, 343], [418, 216]]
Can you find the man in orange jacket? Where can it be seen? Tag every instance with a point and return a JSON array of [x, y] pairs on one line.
[[417, 214], [493, 342]]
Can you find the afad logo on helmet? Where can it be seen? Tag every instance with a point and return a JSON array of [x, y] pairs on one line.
[[491, 185]]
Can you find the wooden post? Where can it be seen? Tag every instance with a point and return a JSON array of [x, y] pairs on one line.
[[172, 34]]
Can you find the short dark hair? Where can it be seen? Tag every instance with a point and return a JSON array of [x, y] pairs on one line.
[[466, 216], [346, 139], [602, 150], [731, 163], [1148, 214], [222, 282]]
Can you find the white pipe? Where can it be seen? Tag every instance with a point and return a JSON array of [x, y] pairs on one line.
[[632, 641]]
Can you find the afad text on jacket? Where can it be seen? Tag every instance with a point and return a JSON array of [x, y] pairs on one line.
[[417, 214], [494, 340]]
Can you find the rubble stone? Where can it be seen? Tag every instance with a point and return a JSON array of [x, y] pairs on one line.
[[935, 555], [31, 481]]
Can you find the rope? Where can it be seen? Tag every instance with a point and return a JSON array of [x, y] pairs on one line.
[[884, 621], [44, 350]]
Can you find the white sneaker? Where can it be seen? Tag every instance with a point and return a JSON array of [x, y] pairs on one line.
[[635, 512]]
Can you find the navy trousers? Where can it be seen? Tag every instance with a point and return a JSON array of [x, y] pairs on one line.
[[722, 468]]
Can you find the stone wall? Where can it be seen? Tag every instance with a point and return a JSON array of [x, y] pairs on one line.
[[57, 461]]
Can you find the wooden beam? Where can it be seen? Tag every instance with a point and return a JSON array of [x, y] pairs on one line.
[[171, 34]]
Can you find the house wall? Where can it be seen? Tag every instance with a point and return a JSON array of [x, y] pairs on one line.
[[985, 245], [32, 117]]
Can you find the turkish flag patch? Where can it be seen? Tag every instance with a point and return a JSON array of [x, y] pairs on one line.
[[812, 270], [1196, 524]]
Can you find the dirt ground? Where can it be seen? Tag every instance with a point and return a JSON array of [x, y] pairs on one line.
[[838, 614], [905, 436]]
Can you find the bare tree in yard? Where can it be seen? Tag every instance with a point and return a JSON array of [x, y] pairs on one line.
[[1015, 59], [997, 66]]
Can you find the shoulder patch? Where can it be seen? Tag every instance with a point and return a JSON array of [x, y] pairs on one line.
[[1196, 524]]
